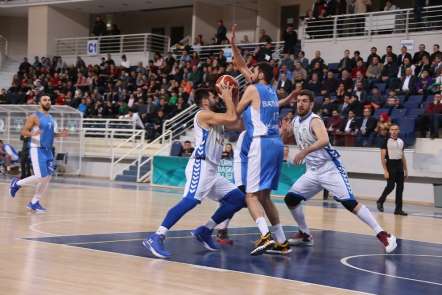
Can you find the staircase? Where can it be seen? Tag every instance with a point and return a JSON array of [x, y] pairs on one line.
[[130, 174], [8, 70]]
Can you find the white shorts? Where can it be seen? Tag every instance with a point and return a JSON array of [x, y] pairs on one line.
[[331, 176], [203, 181]]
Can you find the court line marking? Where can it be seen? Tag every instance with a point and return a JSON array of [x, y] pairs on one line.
[[345, 262], [191, 265]]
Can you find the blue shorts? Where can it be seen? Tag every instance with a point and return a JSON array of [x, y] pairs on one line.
[[240, 158], [42, 161], [264, 162]]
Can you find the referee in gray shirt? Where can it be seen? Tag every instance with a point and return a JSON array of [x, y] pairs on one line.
[[395, 169]]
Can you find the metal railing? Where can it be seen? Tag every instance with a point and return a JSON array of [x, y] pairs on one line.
[[17, 3], [139, 138], [205, 52], [403, 21], [181, 121], [114, 44]]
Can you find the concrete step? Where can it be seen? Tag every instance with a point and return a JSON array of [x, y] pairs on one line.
[[127, 178]]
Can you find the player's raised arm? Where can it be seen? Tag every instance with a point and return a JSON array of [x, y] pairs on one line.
[[238, 60], [247, 98], [229, 117], [31, 121]]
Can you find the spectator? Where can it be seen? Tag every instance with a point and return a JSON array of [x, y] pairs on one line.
[[187, 149], [373, 54], [125, 64], [381, 129], [355, 105], [326, 108], [284, 84], [290, 38], [288, 62], [221, 33], [317, 59], [365, 136], [99, 28], [423, 83], [436, 53], [404, 54], [329, 85], [374, 70], [245, 39], [432, 117], [389, 6], [346, 62], [24, 66], [389, 52], [263, 37], [408, 85], [228, 152], [302, 59], [334, 124], [421, 53], [405, 65], [360, 67], [376, 99], [423, 65], [314, 84], [265, 53]]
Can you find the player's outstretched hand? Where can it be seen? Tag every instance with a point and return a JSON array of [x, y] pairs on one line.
[[226, 91], [233, 37], [299, 158]]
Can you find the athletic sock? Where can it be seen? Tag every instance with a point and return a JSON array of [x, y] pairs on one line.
[[298, 215], [262, 225], [29, 180], [365, 215], [279, 234], [162, 231], [210, 224]]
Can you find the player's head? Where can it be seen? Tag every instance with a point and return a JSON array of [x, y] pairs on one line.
[[205, 99], [45, 102], [305, 102], [394, 131], [263, 72]]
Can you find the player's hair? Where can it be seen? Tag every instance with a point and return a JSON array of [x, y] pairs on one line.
[[200, 94], [309, 93], [394, 124], [267, 69]]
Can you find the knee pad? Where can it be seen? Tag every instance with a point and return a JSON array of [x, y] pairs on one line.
[[188, 203], [236, 198], [292, 200], [350, 204]]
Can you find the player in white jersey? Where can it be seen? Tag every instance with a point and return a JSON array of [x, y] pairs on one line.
[[324, 171], [201, 175]]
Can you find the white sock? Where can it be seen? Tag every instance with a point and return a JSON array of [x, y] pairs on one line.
[[162, 231], [211, 224], [365, 215], [278, 233], [224, 224], [29, 180], [298, 215], [41, 188], [262, 225]]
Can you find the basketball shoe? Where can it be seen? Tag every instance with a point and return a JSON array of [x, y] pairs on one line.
[[264, 243], [301, 239], [155, 244], [222, 237], [204, 236], [280, 249], [388, 240], [37, 207], [13, 187]]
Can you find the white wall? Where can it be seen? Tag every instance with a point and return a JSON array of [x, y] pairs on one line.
[[205, 20], [134, 22], [15, 30], [333, 51], [269, 18]]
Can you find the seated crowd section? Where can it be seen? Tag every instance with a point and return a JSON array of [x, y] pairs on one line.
[[357, 98]]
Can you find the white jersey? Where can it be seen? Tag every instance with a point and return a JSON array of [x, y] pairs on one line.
[[305, 137], [209, 143]]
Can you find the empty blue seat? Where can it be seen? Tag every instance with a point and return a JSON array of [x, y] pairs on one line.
[[378, 112], [398, 113], [319, 99], [411, 105], [415, 98], [414, 113], [407, 130], [333, 67], [401, 98], [429, 98], [176, 149]]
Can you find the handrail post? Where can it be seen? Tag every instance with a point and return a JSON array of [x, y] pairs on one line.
[[407, 22], [121, 43], [145, 44], [370, 22], [335, 28]]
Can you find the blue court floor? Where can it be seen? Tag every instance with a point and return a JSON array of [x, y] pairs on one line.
[[345, 260]]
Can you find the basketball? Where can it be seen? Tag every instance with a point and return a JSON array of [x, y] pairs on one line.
[[228, 80]]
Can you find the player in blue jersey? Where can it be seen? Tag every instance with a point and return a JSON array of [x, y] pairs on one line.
[[41, 127], [260, 174], [202, 180]]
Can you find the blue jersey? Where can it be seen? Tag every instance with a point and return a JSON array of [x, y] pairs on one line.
[[47, 126], [265, 120]]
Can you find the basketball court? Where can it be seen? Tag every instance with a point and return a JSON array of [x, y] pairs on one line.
[[90, 242]]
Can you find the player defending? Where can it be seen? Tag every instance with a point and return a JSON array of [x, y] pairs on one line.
[[41, 128], [324, 171], [201, 174]]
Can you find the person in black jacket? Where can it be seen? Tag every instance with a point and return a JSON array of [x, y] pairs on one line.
[[290, 38], [221, 33], [365, 135]]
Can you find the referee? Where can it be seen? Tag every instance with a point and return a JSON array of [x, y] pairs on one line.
[[395, 169]]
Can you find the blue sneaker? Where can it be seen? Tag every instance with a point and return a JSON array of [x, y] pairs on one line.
[[37, 207], [155, 244], [13, 187], [204, 236]]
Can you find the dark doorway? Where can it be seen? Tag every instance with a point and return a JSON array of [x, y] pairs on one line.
[[159, 31], [176, 34], [289, 15]]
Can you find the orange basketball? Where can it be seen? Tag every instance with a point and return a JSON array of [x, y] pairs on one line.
[[229, 80]]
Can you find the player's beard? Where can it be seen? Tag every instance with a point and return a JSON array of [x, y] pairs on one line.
[[46, 108]]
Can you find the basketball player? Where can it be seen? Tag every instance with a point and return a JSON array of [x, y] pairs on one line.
[[201, 174], [9, 154], [324, 171], [41, 128], [260, 113]]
